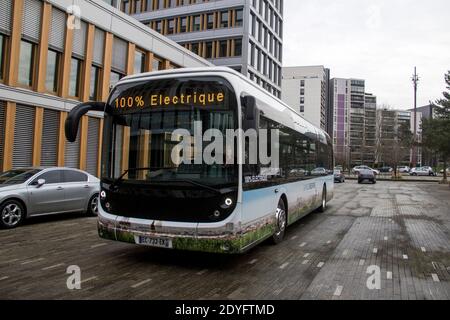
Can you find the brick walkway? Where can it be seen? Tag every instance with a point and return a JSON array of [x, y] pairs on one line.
[[399, 229]]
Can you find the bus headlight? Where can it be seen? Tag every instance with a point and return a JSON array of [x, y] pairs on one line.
[[103, 195], [228, 202]]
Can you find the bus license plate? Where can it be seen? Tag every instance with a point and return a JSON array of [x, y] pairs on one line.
[[155, 242]]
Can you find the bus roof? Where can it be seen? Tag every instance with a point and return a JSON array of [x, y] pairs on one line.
[[149, 75]]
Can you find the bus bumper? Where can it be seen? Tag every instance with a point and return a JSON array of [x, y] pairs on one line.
[[226, 237]]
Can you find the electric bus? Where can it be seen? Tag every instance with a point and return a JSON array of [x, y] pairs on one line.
[[150, 198]]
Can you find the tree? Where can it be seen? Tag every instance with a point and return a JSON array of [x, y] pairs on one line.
[[397, 147], [436, 132]]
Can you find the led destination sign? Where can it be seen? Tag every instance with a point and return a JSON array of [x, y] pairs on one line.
[[161, 100]]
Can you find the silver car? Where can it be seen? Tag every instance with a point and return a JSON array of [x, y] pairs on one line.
[[31, 192]]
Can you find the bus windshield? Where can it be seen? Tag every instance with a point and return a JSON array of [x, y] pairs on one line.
[[143, 127]]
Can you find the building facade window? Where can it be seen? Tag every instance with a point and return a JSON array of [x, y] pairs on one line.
[[95, 82], [75, 77], [210, 21], [183, 25], [224, 19], [239, 18], [114, 78], [209, 50], [238, 47], [26, 63], [157, 64], [2, 56], [197, 23], [52, 74], [139, 62], [223, 48]]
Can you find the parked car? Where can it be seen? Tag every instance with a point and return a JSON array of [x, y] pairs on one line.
[[367, 174], [319, 172], [404, 169], [386, 169], [422, 171], [339, 176], [357, 169], [442, 171], [38, 191]]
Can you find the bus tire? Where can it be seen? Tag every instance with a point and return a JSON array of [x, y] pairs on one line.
[[323, 206], [281, 223]]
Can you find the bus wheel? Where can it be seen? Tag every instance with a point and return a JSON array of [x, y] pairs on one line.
[[323, 206], [281, 217]]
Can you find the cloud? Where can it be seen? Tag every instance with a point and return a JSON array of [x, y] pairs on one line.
[[377, 40]]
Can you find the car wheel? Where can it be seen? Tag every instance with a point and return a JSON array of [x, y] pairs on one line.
[[281, 217], [323, 206], [12, 214], [93, 205]]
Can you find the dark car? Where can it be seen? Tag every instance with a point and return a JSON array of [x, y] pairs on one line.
[[386, 169], [368, 175], [339, 176]]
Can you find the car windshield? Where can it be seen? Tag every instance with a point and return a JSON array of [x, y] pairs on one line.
[[17, 176]]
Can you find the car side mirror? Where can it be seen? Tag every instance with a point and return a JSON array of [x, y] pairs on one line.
[[40, 183], [251, 113], [73, 119]]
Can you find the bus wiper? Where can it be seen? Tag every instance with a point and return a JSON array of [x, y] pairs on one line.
[[197, 184], [117, 181]]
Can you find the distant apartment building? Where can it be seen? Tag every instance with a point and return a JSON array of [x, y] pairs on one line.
[[46, 68], [354, 122], [306, 90], [246, 35], [389, 122]]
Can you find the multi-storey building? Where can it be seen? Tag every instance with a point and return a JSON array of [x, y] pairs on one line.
[[354, 122], [306, 90], [389, 124], [246, 35], [51, 60]]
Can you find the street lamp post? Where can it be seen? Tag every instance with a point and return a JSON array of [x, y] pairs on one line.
[[415, 80]]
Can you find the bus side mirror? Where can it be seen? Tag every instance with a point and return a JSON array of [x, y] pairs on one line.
[[73, 119], [251, 113]]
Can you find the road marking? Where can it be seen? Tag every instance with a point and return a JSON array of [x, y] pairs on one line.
[[435, 265], [32, 261], [9, 261], [321, 264], [345, 252], [53, 267], [253, 261], [368, 240], [386, 238], [4, 278], [375, 250], [134, 286], [361, 262], [389, 275], [328, 242], [306, 255], [86, 280], [405, 257], [338, 291], [202, 272], [423, 249], [305, 261], [294, 237], [284, 265], [435, 277], [98, 245], [303, 244]]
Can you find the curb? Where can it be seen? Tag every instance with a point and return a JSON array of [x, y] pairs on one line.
[[406, 180]]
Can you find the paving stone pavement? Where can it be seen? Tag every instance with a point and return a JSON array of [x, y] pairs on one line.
[[401, 230]]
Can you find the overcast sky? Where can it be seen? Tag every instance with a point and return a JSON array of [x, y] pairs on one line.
[[377, 40]]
